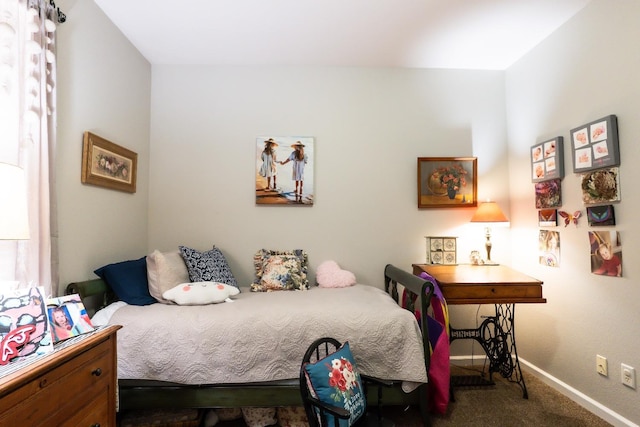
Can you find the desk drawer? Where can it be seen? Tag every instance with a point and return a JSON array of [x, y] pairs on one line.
[[472, 292]]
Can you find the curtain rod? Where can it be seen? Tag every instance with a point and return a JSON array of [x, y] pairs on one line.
[[62, 18]]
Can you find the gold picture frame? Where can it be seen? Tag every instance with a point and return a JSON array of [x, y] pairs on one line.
[[447, 182], [108, 165]]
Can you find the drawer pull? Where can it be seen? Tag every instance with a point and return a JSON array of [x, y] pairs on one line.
[[95, 425], [96, 373]]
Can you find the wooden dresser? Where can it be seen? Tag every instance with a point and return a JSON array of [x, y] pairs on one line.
[[74, 386]]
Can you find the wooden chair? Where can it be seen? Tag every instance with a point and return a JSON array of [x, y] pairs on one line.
[[317, 410]]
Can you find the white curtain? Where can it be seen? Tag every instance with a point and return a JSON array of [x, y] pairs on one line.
[[27, 132]]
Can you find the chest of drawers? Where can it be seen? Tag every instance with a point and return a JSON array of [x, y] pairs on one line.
[[74, 386]]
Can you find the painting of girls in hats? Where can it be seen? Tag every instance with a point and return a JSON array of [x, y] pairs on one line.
[[284, 170]]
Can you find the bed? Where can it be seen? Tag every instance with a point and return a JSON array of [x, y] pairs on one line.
[[247, 353]]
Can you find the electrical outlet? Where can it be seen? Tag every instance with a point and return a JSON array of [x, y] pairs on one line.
[[628, 375], [601, 365]]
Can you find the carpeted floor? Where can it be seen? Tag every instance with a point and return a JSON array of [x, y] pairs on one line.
[[500, 405]]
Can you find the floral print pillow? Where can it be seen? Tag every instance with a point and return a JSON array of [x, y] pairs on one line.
[[281, 273], [260, 257], [335, 381]]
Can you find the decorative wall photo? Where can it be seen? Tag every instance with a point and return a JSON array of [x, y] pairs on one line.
[[447, 182], [601, 186], [606, 253], [600, 216], [547, 160], [595, 145], [549, 248], [284, 170], [108, 165], [547, 217], [548, 194]]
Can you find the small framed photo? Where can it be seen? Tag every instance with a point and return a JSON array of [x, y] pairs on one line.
[[548, 194], [547, 160], [447, 182], [108, 165], [547, 217], [595, 145], [599, 216]]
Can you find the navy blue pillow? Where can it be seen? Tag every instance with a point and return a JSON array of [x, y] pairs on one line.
[[128, 279]]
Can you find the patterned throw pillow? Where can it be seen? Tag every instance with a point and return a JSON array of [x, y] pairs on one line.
[[209, 266], [260, 257], [280, 273], [335, 381]]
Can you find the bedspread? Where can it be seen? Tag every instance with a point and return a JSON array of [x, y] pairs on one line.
[[263, 336]]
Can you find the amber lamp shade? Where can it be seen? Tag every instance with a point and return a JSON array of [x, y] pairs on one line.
[[489, 214]]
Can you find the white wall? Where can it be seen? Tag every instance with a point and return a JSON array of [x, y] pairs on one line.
[[588, 69], [369, 125], [104, 86]]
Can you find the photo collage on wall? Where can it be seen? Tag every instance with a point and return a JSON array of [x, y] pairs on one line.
[[596, 160]]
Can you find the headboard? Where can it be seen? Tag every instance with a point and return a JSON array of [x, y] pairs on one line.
[[95, 294], [418, 290]]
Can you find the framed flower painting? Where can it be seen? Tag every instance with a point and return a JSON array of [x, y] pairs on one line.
[[447, 182]]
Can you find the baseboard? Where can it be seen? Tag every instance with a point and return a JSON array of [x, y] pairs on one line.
[[580, 398]]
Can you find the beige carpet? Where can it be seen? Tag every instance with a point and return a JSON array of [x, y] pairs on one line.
[[502, 405]]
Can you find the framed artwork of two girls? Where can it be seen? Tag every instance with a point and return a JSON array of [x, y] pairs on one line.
[[284, 170]]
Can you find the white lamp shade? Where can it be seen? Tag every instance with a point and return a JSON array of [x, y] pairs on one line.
[[14, 216]]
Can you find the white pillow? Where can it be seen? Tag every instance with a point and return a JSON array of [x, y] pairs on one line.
[[103, 316], [164, 271], [200, 293]]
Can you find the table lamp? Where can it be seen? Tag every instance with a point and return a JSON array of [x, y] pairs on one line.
[[489, 213], [14, 217]]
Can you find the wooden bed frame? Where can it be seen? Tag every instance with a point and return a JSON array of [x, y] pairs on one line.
[[145, 394]]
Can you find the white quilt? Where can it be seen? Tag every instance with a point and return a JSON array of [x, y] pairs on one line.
[[263, 336]]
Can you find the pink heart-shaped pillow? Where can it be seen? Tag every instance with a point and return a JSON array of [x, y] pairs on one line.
[[330, 275]]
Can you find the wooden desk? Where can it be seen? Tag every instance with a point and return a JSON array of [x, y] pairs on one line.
[[495, 284], [478, 284]]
